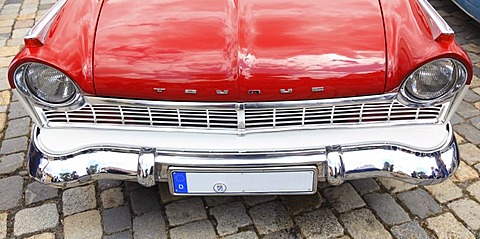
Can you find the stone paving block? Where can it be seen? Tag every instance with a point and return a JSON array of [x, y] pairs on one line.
[[445, 191], [105, 184], [447, 226], [37, 192], [270, 217], [395, 186], [3, 225], [165, 195], [212, 201], [475, 81], [78, 199], [132, 186], [251, 201], [471, 47], [320, 223], [35, 219], [18, 127], [470, 153], [469, 132], [121, 235], [466, 110], [474, 190], [17, 111], [9, 51], [15, 96], [468, 211], [3, 121], [14, 145], [243, 235], [12, 162], [23, 24], [5, 96], [471, 96], [112, 197], [85, 225], [144, 200], [201, 229], [150, 225], [5, 61], [464, 173], [230, 218], [303, 203], [362, 224], [12, 190], [185, 211], [456, 119], [343, 198], [116, 219], [290, 233], [3, 76], [420, 203], [409, 230], [386, 208], [7, 23], [364, 186], [47, 235], [475, 121]]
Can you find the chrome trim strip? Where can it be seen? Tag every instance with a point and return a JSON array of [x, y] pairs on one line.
[[252, 125], [437, 24], [357, 161], [146, 167], [40, 30]]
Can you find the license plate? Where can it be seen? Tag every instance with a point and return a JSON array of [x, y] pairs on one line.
[[279, 180]]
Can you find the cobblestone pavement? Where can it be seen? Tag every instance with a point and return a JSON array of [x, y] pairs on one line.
[[111, 209]]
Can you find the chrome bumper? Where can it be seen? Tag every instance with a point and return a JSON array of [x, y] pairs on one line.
[[335, 163]]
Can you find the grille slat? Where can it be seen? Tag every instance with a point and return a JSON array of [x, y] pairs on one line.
[[386, 111]]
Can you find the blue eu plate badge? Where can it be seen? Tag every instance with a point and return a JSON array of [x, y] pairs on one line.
[[180, 182]]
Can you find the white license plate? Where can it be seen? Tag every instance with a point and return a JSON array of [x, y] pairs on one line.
[[280, 180]]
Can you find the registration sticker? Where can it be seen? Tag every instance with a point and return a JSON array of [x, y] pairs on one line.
[[180, 182]]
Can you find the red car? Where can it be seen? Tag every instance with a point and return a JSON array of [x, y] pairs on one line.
[[241, 96]]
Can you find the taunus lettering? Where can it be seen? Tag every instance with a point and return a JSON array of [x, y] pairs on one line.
[[222, 92], [159, 90]]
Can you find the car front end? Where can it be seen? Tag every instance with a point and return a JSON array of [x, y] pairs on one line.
[[238, 114]]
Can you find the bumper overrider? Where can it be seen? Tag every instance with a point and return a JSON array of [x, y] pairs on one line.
[[333, 164]]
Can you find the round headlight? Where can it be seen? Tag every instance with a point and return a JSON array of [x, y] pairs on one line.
[[435, 79], [48, 84]]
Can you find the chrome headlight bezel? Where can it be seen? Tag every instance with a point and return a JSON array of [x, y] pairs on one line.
[[458, 82], [20, 79]]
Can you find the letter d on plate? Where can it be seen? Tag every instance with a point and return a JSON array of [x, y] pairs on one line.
[[180, 182]]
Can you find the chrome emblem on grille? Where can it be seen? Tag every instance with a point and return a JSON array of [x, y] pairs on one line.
[[318, 89], [222, 92], [286, 91], [159, 90], [190, 92], [254, 92], [219, 187]]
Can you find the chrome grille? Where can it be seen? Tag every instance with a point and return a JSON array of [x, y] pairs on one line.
[[381, 112], [243, 117], [146, 116]]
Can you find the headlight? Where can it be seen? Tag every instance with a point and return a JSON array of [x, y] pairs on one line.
[[435, 80], [47, 87]]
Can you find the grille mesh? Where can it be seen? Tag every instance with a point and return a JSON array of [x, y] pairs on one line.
[[250, 118]]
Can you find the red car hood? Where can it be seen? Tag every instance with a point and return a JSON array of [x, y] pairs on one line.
[[239, 50]]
